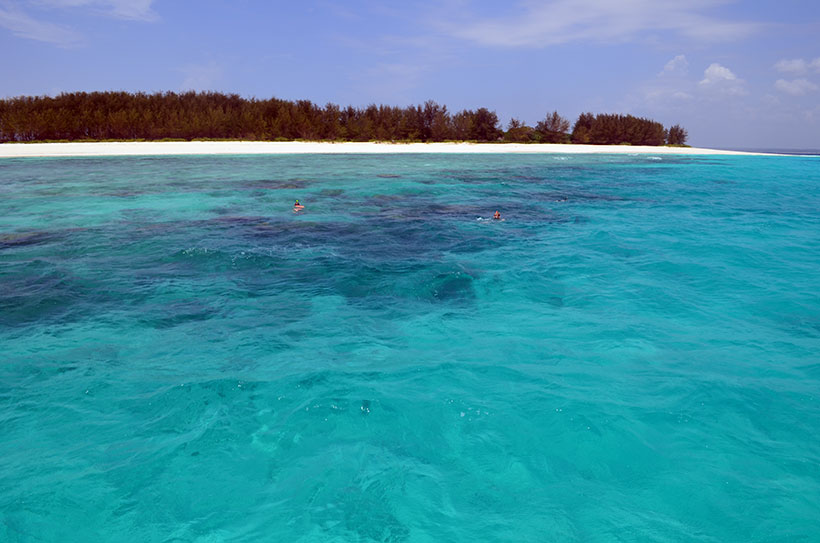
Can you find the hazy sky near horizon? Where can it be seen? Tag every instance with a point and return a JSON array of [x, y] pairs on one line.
[[736, 74]]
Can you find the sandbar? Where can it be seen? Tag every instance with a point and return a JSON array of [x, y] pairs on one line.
[[149, 148]]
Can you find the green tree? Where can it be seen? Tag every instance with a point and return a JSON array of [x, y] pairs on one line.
[[677, 135], [582, 128], [553, 129], [189, 115], [518, 132], [485, 125], [463, 124]]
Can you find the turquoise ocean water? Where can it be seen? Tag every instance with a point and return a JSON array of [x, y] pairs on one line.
[[633, 354]]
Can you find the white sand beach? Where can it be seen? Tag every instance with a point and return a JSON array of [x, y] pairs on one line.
[[125, 148]]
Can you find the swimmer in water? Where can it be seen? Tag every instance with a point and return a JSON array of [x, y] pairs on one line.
[[496, 215], [297, 206]]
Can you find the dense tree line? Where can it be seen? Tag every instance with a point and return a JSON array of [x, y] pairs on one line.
[[617, 129], [203, 115], [603, 129], [190, 115]]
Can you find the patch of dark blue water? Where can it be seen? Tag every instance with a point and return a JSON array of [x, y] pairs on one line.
[[22, 239], [373, 262], [574, 196], [398, 232], [273, 184], [171, 314], [123, 193], [367, 265], [331, 193], [39, 291], [372, 286]]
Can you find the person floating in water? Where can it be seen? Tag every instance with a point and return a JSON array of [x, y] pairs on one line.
[[496, 215], [298, 207]]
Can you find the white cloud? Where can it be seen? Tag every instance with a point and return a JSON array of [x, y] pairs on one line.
[[139, 10], [719, 79], [673, 88], [678, 66], [16, 16], [793, 66], [716, 73], [797, 66], [22, 25], [540, 24], [797, 87]]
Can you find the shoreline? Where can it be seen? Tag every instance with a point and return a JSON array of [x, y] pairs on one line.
[[166, 148]]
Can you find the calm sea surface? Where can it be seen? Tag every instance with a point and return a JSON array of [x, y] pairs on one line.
[[633, 354]]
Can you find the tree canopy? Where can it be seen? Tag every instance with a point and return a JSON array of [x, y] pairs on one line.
[[192, 115], [610, 129], [677, 135], [553, 129], [81, 116]]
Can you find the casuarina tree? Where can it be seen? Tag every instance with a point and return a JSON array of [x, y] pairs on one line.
[[553, 129], [677, 135]]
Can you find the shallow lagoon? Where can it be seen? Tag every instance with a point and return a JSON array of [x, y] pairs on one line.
[[630, 355]]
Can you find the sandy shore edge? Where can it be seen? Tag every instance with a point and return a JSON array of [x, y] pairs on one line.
[[19, 150]]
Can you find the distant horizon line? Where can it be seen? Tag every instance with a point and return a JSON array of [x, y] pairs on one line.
[[798, 151]]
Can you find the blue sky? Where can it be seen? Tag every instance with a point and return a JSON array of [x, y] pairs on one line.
[[734, 73]]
